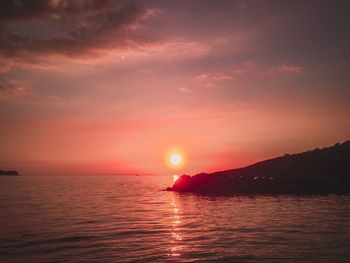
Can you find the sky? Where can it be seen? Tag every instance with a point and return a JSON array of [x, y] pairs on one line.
[[113, 86]]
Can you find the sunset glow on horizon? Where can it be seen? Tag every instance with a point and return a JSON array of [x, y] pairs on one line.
[[119, 85]]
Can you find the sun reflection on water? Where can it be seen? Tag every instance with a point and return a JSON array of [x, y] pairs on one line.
[[176, 241]]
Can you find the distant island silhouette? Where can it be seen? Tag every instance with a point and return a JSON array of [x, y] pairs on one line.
[[320, 171], [11, 173]]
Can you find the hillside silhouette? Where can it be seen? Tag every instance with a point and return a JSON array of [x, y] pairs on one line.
[[320, 171]]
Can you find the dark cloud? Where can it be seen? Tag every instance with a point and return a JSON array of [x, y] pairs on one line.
[[65, 26], [25, 9]]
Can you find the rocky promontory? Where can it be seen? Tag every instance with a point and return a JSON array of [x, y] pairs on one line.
[[319, 171]]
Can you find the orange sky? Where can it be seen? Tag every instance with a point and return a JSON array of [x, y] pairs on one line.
[[116, 86]]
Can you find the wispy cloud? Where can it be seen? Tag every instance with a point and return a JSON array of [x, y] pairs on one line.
[[290, 69], [10, 88], [210, 79]]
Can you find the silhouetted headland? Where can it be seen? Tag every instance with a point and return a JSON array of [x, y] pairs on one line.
[[320, 171], [8, 173]]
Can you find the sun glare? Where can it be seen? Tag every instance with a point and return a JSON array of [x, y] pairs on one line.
[[175, 177], [175, 159]]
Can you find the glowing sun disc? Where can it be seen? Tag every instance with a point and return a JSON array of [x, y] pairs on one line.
[[175, 159]]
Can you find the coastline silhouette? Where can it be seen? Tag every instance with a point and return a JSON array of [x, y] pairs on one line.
[[319, 171]]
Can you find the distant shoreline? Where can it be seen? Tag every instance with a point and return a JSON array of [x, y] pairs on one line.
[[8, 173]]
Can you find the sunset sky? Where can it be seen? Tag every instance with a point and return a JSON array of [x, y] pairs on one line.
[[101, 86]]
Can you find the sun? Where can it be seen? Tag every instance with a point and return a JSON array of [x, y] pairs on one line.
[[175, 159]]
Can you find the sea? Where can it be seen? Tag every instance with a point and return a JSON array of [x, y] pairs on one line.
[[129, 218]]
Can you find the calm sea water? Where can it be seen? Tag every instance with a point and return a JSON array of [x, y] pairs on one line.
[[129, 219]]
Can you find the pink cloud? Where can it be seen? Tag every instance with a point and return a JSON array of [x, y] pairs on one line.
[[209, 79], [151, 12], [282, 69], [185, 89], [212, 78], [290, 69], [10, 88], [120, 57]]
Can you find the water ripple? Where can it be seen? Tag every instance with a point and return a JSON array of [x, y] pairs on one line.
[[129, 219]]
